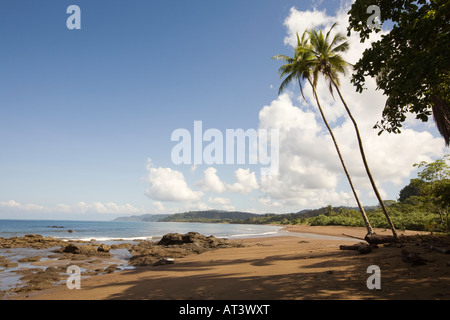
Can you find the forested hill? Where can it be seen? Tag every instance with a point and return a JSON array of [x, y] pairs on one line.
[[221, 216], [210, 216], [216, 216]]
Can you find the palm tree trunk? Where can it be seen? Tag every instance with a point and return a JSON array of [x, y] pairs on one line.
[[361, 208], [375, 189]]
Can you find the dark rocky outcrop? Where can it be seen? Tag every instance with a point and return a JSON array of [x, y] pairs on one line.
[[85, 249], [175, 245]]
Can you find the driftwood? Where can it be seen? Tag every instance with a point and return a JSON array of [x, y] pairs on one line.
[[352, 247], [373, 238], [361, 248], [350, 236], [379, 239]]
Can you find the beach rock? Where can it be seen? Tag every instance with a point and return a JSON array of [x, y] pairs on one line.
[[171, 239], [70, 248], [85, 250], [148, 260], [142, 260], [37, 279], [6, 263], [175, 245], [35, 236], [124, 245], [103, 248], [112, 268], [30, 241], [30, 259]]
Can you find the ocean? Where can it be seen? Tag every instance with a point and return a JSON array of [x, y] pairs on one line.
[[106, 231]]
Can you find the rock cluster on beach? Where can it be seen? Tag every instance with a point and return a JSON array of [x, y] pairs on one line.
[[90, 249], [35, 241], [175, 245]]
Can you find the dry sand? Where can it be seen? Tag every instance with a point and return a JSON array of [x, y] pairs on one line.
[[273, 268]]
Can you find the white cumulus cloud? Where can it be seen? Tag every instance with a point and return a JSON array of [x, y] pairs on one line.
[[211, 181], [246, 181], [166, 184]]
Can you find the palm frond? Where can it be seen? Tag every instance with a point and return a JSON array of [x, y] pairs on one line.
[[286, 82], [282, 58]]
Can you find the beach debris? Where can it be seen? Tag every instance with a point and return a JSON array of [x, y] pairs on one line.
[[163, 262], [362, 248], [413, 258], [349, 247], [441, 250], [351, 236]]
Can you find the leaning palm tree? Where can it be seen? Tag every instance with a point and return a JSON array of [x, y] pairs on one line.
[[300, 68], [330, 64]]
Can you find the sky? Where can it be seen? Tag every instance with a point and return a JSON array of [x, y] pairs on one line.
[[87, 115]]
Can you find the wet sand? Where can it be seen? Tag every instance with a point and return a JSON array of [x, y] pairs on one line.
[[288, 267]]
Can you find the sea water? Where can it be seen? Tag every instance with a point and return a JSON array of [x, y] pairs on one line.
[[105, 231]]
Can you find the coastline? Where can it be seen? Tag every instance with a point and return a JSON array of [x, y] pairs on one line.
[[283, 267]]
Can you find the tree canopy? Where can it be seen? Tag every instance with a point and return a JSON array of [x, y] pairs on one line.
[[410, 63]]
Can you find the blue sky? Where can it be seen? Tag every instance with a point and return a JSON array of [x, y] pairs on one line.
[[81, 111]]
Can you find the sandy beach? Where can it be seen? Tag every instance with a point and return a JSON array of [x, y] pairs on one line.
[[287, 267]]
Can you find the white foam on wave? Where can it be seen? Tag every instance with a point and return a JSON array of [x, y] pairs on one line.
[[250, 235], [108, 238]]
